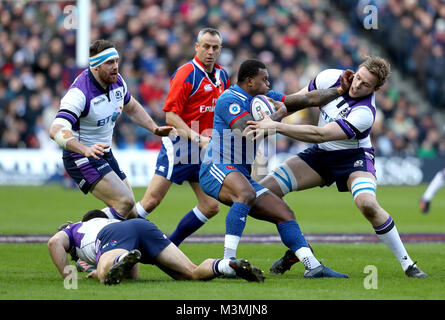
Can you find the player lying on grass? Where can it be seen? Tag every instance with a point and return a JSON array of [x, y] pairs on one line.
[[343, 154], [117, 246]]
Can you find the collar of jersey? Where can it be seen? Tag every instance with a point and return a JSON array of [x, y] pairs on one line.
[[200, 66], [96, 83], [240, 91]]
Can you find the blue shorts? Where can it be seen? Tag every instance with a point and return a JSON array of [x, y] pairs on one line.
[[211, 178], [87, 172], [132, 234], [178, 164], [337, 166]]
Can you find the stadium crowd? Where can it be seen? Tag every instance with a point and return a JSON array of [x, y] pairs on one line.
[[296, 39]]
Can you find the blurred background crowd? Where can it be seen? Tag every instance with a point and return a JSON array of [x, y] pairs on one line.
[[296, 39]]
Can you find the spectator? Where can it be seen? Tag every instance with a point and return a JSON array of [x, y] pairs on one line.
[[37, 56]]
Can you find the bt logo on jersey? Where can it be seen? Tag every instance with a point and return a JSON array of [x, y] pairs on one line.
[[104, 121]]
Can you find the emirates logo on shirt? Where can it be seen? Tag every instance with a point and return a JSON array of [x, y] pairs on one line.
[[204, 109]]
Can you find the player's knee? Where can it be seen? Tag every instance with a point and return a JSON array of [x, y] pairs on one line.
[[247, 196], [210, 210], [285, 180], [125, 205], [369, 208]]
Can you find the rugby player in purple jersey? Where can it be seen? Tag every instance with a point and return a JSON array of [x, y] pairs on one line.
[[343, 154], [84, 128]]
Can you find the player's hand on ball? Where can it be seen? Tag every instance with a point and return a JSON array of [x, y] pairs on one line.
[[346, 80], [279, 107], [256, 129]]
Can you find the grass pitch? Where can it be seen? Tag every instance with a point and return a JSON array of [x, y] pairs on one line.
[[26, 271]]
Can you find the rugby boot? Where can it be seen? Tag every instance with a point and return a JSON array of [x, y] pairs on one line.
[[413, 271], [323, 272], [244, 269], [286, 262], [122, 268]]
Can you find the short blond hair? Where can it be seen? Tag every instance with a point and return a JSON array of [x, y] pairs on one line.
[[378, 67]]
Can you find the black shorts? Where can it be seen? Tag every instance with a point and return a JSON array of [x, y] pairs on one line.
[[336, 166], [132, 234], [87, 172]]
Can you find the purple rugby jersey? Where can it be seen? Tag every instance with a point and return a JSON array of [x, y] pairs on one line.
[[83, 236], [354, 116], [93, 110]]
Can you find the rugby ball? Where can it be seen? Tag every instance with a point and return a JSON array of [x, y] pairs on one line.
[[260, 103]]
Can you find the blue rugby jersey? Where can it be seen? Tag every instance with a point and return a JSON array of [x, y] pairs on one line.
[[225, 146]]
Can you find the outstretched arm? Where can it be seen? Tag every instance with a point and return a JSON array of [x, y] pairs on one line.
[[176, 121], [305, 133], [139, 116], [320, 97], [58, 246]]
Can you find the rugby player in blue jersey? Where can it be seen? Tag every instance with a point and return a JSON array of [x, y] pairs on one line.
[[226, 168]]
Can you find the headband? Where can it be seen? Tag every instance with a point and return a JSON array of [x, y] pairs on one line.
[[103, 56]]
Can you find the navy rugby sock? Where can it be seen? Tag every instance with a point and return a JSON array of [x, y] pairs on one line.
[[235, 223], [293, 238], [291, 235], [192, 221], [236, 218]]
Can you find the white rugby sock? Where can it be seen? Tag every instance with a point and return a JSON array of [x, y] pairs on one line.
[[107, 211], [141, 211], [224, 268], [434, 186], [307, 258], [389, 235], [230, 245]]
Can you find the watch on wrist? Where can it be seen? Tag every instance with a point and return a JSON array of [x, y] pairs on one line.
[[197, 139]]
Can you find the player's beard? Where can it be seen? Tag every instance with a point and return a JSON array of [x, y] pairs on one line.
[[108, 77]]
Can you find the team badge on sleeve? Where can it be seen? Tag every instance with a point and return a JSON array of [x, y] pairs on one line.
[[234, 109]]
